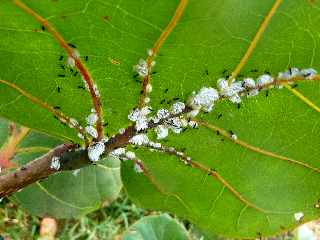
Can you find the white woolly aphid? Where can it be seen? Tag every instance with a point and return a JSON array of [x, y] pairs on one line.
[[139, 116], [80, 135], [193, 124], [118, 152], [155, 145], [204, 99], [308, 73], [264, 80], [76, 172], [92, 118], [96, 90], [161, 131], [177, 107], [146, 100], [73, 123], [140, 139], [149, 88], [291, 73], [55, 163], [130, 155], [234, 137], [137, 168], [249, 83], [141, 68], [298, 216], [71, 62], [91, 131], [150, 52], [232, 91], [161, 114], [122, 130], [176, 124], [95, 151]]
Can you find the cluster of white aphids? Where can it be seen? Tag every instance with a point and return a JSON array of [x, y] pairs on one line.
[[143, 70], [207, 96], [91, 120], [138, 140], [142, 67]]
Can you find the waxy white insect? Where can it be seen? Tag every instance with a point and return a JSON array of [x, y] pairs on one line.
[[130, 155], [137, 168], [140, 117], [204, 99], [141, 68], [92, 118], [55, 163], [91, 131], [298, 216], [177, 107], [140, 139], [118, 152], [95, 151], [161, 131]]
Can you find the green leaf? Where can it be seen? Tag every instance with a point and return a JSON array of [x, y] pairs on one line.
[[161, 227], [260, 180], [66, 194]]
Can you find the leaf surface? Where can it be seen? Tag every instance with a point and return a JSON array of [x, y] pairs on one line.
[[156, 227]]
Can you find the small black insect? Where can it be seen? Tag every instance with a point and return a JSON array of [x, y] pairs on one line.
[[220, 115], [294, 86], [75, 74], [61, 58], [105, 124], [86, 58], [169, 101], [81, 87], [43, 28], [136, 75], [254, 70], [239, 105], [231, 132], [224, 71], [207, 72], [218, 132], [61, 75], [71, 70], [142, 91], [62, 67], [72, 45], [162, 101], [290, 71], [154, 72], [166, 90], [267, 93], [175, 99], [57, 107], [58, 89]]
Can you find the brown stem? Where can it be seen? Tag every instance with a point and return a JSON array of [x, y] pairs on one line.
[[31, 172]]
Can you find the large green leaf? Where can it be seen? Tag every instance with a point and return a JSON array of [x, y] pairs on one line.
[[263, 179], [66, 194], [161, 227]]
